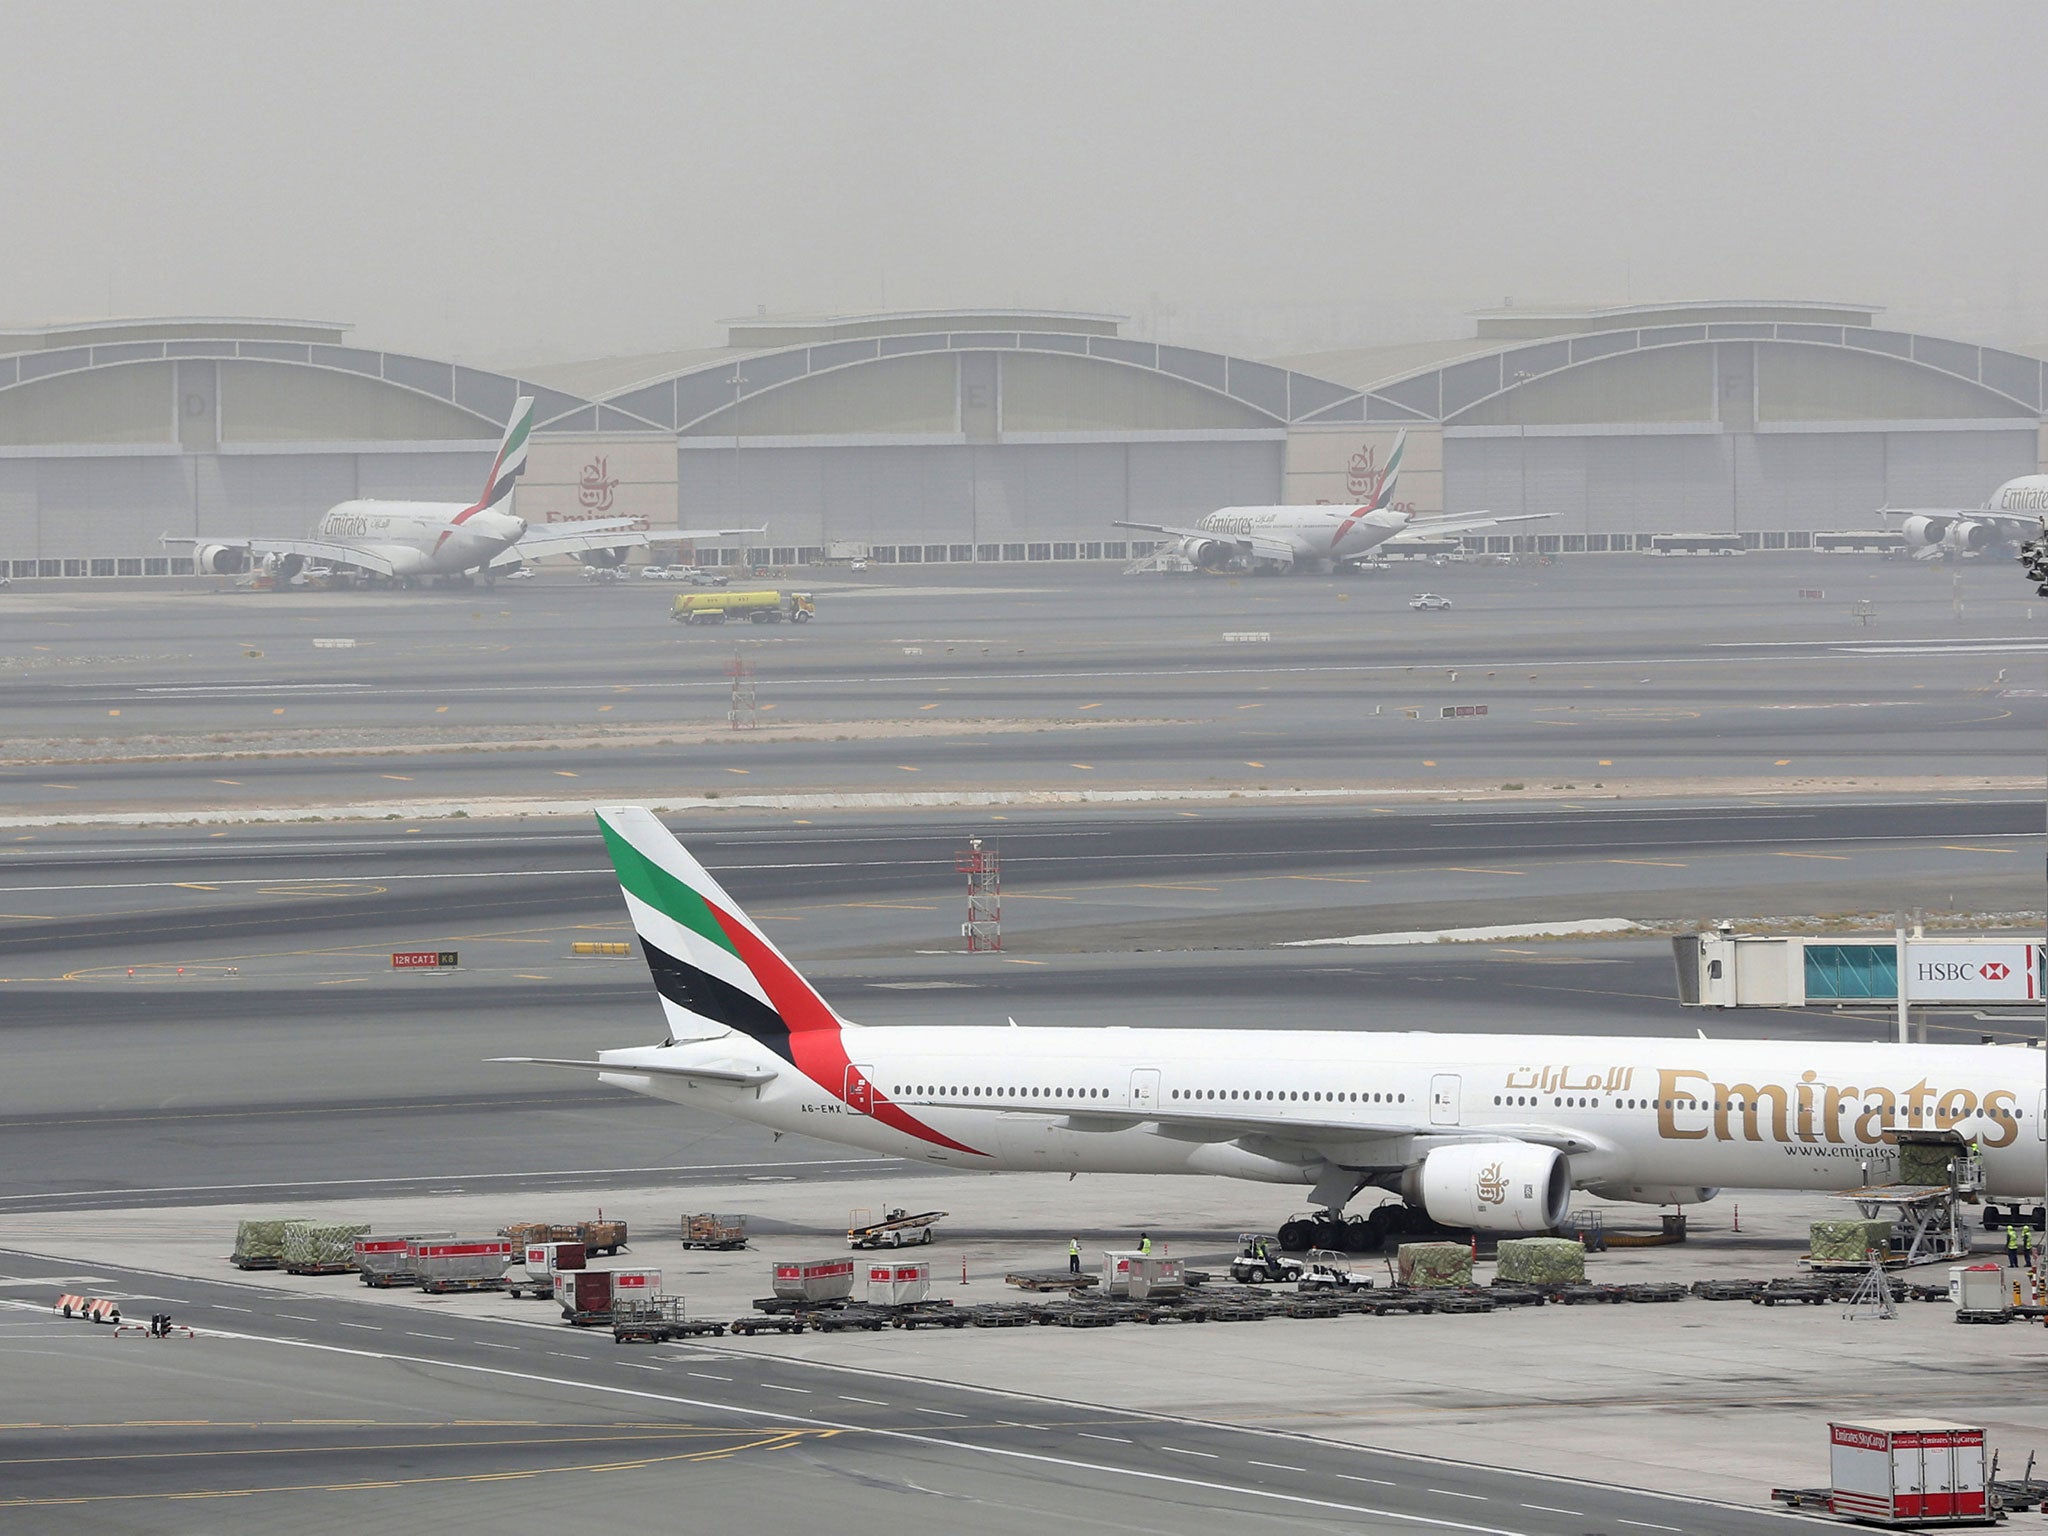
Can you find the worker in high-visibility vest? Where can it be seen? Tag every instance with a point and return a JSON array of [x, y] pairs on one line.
[[2013, 1229], [1144, 1245], [1074, 1256]]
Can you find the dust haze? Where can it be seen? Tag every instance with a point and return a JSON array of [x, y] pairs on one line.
[[527, 182]]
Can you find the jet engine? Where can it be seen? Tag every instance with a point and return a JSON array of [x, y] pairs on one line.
[[220, 559], [1655, 1194], [1492, 1186], [1210, 554], [1969, 535], [1924, 531], [605, 558]]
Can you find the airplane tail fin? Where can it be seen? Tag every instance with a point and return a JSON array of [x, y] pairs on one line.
[[1385, 495], [511, 460], [709, 960]]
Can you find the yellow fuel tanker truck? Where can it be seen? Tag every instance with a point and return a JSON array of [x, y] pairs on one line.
[[756, 607]]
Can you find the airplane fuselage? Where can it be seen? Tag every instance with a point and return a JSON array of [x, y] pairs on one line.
[[1655, 1113], [1315, 532], [423, 538]]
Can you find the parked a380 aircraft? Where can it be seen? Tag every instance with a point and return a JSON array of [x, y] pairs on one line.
[[1310, 537], [1484, 1132], [404, 541]]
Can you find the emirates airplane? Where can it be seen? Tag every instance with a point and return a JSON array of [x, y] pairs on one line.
[[1483, 1132], [2010, 514], [1251, 539], [404, 541]]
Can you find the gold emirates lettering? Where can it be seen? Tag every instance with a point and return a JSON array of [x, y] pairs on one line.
[[1813, 1111]]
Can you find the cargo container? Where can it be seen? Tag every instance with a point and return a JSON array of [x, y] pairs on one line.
[[706, 1230], [539, 1263], [899, 1284], [460, 1263], [386, 1259], [586, 1296], [1141, 1276], [1908, 1472], [813, 1280]]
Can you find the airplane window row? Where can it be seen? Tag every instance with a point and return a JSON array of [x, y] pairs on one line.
[[1274, 1093], [929, 1090]]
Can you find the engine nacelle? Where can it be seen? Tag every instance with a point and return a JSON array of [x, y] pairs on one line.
[[1924, 531], [1493, 1186], [1970, 536], [1210, 554], [220, 559], [1655, 1194], [606, 559]]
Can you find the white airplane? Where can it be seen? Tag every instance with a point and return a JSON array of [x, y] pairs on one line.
[[404, 541], [2009, 515], [1282, 538], [1486, 1132]]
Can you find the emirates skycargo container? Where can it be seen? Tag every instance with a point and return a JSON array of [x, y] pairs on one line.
[[461, 1264], [1908, 1472], [586, 1295]]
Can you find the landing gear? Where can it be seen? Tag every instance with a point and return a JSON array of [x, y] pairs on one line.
[[1996, 1220], [1393, 1220]]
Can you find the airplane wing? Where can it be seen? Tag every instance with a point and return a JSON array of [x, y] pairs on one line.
[[737, 1075], [617, 533], [1256, 545], [1460, 522], [358, 555]]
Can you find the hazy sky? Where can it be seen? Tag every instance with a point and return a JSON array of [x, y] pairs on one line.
[[518, 181]]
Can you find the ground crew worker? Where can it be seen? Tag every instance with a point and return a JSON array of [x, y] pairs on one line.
[[1074, 1256], [2012, 1244], [2026, 1245], [1144, 1245]]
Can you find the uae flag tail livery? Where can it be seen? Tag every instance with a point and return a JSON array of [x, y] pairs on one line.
[[722, 981]]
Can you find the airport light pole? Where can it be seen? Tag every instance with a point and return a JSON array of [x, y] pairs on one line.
[[738, 381]]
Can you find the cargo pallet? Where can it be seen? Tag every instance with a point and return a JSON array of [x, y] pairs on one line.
[[447, 1287], [774, 1322], [1049, 1280], [388, 1279], [255, 1261], [340, 1267]]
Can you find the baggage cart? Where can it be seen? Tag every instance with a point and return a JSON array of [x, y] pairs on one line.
[[898, 1228], [599, 1236], [386, 1260], [707, 1230], [812, 1281], [460, 1264], [656, 1320], [587, 1296], [539, 1263]]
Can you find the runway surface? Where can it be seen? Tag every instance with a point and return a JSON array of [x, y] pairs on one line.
[[1622, 671]]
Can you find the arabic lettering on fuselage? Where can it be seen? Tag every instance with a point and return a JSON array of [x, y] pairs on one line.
[[1570, 1080]]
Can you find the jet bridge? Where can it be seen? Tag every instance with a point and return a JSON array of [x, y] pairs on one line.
[[1725, 969]]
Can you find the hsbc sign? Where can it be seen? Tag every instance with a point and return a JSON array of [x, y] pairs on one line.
[[1971, 973]]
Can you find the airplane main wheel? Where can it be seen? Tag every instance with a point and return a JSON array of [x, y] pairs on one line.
[[1330, 1232], [1298, 1235]]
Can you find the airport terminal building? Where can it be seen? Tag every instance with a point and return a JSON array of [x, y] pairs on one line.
[[1008, 435]]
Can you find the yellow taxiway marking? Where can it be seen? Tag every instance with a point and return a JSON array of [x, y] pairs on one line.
[[1467, 869], [113, 712], [1429, 762], [1147, 886], [1259, 705], [340, 981], [278, 711], [1035, 896], [893, 906], [766, 707], [1190, 813], [193, 885], [906, 768], [440, 709], [60, 786], [564, 773], [1013, 960], [237, 783], [1965, 848], [602, 708], [1781, 762], [397, 778], [1652, 863], [1096, 705], [1331, 879], [739, 770], [1605, 762], [1841, 858], [1251, 764], [27, 917], [527, 976], [1084, 767], [928, 706]]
